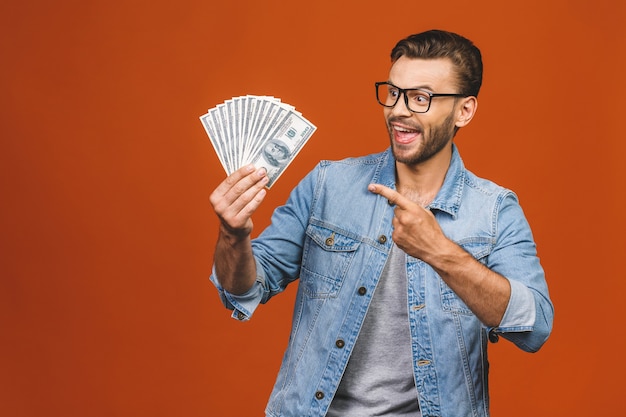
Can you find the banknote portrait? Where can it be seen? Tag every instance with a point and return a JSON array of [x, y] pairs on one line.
[[276, 152]]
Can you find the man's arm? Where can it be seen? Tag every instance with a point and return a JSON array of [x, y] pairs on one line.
[[484, 291], [234, 202], [417, 232]]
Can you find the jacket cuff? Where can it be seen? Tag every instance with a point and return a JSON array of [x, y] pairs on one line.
[[243, 305], [521, 312]]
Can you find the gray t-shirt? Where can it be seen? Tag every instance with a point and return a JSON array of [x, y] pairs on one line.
[[379, 376]]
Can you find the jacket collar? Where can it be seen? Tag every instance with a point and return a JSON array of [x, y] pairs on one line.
[[448, 198]]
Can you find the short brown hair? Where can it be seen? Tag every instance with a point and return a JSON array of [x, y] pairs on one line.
[[465, 56]]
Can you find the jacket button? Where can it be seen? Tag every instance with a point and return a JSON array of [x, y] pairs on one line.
[[319, 395], [493, 337], [241, 316], [340, 343], [362, 291], [382, 239]]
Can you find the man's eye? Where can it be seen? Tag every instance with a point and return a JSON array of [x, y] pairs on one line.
[[420, 98]]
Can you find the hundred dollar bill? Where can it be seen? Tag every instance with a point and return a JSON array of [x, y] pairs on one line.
[[256, 129], [251, 109], [283, 144], [225, 136], [212, 133], [269, 109], [264, 108], [255, 104], [221, 139], [240, 116], [229, 115], [275, 116]]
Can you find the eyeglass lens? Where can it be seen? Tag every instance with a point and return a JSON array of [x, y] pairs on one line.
[[388, 95]]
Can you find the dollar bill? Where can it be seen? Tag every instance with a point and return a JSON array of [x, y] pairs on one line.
[[261, 130], [207, 123], [283, 144], [221, 139]]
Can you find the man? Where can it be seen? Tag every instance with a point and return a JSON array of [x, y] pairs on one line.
[[407, 263]]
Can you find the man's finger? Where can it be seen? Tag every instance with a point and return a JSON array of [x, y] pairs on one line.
[[234, 178], [236, 184], [393, 196]]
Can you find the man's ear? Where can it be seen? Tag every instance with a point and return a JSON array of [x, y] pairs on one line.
[[466, 111]]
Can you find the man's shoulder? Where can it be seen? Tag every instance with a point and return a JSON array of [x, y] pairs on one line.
[[482, 184], [365, 160], [347, 174]]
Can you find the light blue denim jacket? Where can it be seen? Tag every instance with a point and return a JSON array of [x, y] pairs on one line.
[[335, 236]]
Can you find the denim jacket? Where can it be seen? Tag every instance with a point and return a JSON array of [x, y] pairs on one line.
[[334, 236]]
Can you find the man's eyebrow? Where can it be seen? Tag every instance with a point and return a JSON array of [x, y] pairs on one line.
[[420, 87]]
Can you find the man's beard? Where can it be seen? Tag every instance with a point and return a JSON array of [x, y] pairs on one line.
[[432, 142]]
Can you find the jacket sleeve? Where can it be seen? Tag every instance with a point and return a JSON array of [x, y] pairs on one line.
[[528, 319], [277, 251]]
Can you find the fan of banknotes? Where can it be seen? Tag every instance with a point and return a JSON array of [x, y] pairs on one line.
[[259, 130]]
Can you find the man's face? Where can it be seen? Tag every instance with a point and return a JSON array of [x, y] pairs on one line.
[[417, 137]]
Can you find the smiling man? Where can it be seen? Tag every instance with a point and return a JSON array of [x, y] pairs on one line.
[[408, 264]]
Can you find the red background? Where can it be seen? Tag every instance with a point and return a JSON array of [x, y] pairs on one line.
[[106, 232]]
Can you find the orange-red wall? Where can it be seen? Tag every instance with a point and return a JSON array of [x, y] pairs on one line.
[[106, 231]]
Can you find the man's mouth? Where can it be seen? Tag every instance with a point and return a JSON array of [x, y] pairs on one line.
[[404, 134]]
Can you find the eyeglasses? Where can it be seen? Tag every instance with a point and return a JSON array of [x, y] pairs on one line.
[[416, 99]]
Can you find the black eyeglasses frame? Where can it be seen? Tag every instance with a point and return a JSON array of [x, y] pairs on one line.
[[403, 91]]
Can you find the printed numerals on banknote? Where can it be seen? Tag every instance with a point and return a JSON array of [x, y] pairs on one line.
[[259, 130]]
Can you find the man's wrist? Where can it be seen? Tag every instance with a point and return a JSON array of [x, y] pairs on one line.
[[233, 237]]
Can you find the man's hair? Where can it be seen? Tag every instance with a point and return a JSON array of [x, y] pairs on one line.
[[433, 44]]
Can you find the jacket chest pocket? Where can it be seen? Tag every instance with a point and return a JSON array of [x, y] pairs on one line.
[[479, 248], [326, 259]]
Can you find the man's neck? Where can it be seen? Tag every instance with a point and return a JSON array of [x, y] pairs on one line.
[[420, 183]]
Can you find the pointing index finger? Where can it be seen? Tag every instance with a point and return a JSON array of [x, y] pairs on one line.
[[393, 196]]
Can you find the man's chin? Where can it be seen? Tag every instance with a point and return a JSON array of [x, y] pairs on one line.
[[405, 156]]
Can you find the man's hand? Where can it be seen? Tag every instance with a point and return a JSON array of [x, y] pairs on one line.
[[234, 202], [237, 198], [416, 230], [418, 234]]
